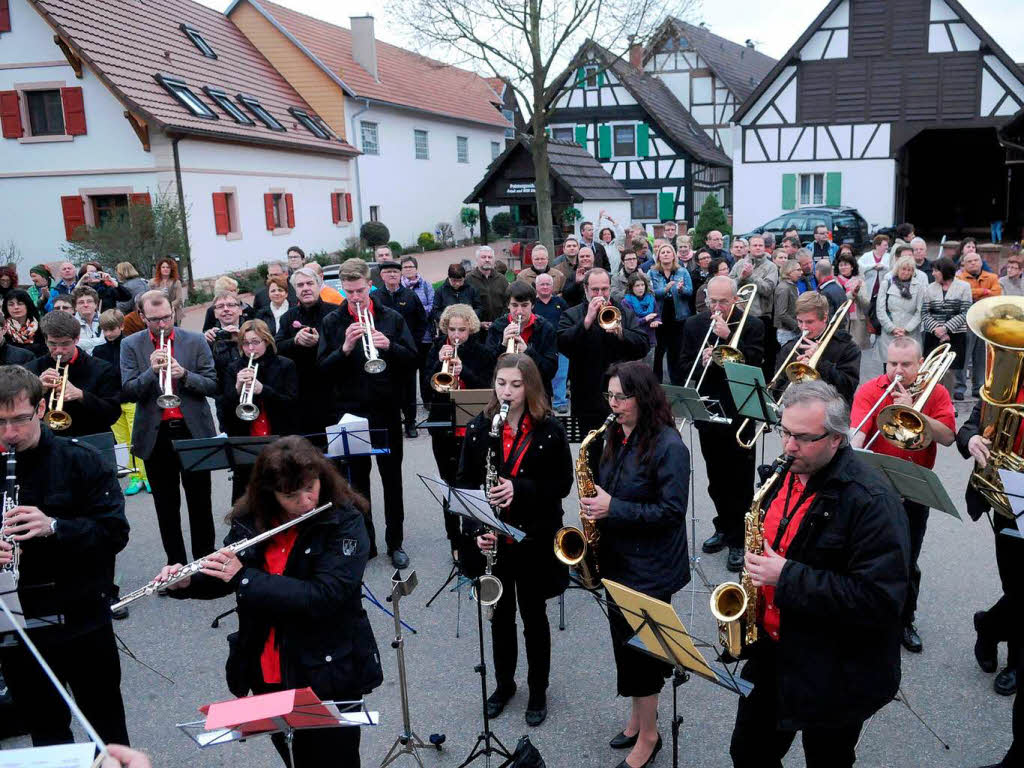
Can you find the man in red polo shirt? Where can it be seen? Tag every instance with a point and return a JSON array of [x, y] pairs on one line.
[[904, 358]]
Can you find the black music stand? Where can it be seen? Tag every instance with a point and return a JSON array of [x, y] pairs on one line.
[[911, 481], [442, 494], [221, 452], [688, 405], [750, 393]]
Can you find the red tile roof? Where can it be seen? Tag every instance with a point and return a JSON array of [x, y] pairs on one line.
[[497, 85], [127, 42], [405, 78]]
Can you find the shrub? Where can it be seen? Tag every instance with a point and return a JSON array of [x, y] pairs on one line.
[[396, 248], [199, 296], [374, 233], [261, 270], [469, 217], [711, 217], [426, 241], [502, 224]]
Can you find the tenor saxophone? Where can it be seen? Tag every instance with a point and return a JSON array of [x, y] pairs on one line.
[[575, 547]]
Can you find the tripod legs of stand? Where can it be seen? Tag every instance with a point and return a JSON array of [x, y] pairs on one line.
[[561, 611], [678, 678]]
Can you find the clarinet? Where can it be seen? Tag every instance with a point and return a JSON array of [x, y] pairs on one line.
[[9, 503]]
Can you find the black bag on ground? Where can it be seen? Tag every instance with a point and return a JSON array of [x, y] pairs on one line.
[[526, 755]]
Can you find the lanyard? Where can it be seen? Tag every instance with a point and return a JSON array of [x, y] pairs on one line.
[[519, 445], [787, 516]]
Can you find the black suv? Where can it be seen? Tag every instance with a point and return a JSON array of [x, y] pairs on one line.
[[845, 224]]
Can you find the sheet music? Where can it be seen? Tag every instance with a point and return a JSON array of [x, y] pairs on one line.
[[59, 756], [1013, 486]]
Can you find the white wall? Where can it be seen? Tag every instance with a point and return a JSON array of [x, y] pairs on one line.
[[591, 210], [413, 195]]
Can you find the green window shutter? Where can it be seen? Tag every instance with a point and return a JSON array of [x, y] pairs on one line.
[[604, 141], [666, 206], [581, 135], [581, 77], [833, 188], [600, 79], [788, 191], [643, 140]]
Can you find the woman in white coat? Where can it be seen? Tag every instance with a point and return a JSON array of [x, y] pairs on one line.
[[899, 307]]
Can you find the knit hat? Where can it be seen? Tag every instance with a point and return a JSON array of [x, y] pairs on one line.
[[42, 271]]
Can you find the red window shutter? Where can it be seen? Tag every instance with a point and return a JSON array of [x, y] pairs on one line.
[[268, 207], [10, 115], [289, 204], [335, 208], [140, 198], [221, 220], [5, 16], [73, 207], [74, 111], [348, 207]]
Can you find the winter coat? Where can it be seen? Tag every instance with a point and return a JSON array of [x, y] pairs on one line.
[[100, 383], [314, 388], [896, 312], [679, 294], [492, 290], [279, 398], [542, 347]]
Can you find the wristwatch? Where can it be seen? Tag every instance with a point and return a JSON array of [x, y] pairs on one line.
[[53, 526]]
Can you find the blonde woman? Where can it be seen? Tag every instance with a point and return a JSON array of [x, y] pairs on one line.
[[899, 306]]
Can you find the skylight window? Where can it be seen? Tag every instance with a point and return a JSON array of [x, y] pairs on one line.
[[313, 125], [197, 39], [183, 94], [222, 100], [260, 112]]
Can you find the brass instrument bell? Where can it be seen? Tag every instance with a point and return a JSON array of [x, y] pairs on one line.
[[56, 417]]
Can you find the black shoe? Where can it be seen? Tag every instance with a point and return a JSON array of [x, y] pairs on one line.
[[496, 701], [911, 639], [735, 562], [411, 431], [654, 753], [958, 395], [1005, 683], [622, 741], [399, 559], [985, 650], [715, 543], [536, 709]]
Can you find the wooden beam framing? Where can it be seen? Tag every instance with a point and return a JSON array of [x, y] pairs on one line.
[[141, 128], [73, 60]]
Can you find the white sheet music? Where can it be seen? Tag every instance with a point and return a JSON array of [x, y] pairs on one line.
[[1013, 485], [59, 756]]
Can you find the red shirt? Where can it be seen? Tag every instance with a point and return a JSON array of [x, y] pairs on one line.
[[527, 330], [274, 560], [169, 413], [509, 442], [938, 407], [789, 498]]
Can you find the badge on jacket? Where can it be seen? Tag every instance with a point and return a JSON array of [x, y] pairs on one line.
[[348, 547]]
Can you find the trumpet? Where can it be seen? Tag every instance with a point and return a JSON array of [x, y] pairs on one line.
[[246, 409], [373, 364], [444, 380], [57, 418], [906, 427], [609, 317], [167, 398], [510, 348], [730, 351]]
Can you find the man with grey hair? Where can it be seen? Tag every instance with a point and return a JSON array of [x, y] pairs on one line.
[[920, 250], [832, 580], [730, 467], [262, 298], [298, 335], [541, 265], [806, 262], [760, 270], [714, 243], [490, 285], [382, 254]]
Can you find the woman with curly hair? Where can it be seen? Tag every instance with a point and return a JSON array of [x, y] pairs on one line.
[[165, 278]]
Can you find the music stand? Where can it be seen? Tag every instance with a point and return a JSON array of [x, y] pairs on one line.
[[750, 393], [688, 405], [912, 481], [221, 452], [467, 403]]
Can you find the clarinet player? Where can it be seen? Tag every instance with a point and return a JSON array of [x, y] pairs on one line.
[[534, 467]]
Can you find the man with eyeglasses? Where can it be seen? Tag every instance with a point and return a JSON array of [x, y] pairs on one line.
[[904, 359], [730, 467], [70, 524], [832, 580], [533, 335], [223, 341], [193, 379]]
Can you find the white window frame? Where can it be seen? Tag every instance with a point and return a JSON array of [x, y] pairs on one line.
[[510, 115], [809, 201], [590, 70], [462, 143], [364, 125], [23, 90], [185, 96], [234, 219], [426, 143], [495, 150], [569, 128]]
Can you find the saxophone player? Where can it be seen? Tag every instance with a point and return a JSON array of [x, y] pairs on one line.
[[640, 511], [832, 581], [534, 465]]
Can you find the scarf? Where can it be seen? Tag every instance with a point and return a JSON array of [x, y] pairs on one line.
[[21, 334], [903, 285]]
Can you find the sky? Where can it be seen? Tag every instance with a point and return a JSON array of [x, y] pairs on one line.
[[772, 26]]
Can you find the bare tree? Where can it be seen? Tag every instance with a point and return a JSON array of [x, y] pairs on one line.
[[530, 43]]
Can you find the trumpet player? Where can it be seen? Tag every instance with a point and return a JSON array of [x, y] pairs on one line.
[[534, 467], [525, 333], [832, 579], [92, 394], [275, 393], [148, 358], [839, 363], [904, 359], [405, 302], [592, 349], [346, 346], [730, 467]]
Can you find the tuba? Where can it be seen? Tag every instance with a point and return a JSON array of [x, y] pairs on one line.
[[905, 427], [577, 547], [999, 322], [56, 417], [730, 351], [444, 380]]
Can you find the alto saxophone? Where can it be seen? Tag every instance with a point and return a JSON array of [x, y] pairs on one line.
[[489, 587], [578, 548], [10, 501], [735, 606]]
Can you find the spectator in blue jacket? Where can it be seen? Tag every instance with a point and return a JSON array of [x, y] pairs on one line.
[[672, 288], [823, 248]]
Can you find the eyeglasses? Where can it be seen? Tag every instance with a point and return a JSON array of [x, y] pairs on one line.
[[618, 397], [785, 434], [719, 302], [17, 421], [162, 319], [253, 342]]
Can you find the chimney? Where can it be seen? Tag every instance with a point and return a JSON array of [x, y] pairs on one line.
[[364, 45], [750, 43], [636, 54]]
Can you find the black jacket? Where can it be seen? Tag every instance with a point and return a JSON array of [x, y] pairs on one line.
[[267, 316], [354, 390], [836, 295], [406, 303], [977, 505], [542, 347], [110, 352], [715, 385], [315, 608], [12, 355], [261, 300], [590, 352], [600, 254], [477, 373], [70, 482], [225, 353], [841, 596], [545, 477], [445, 296], [314, 389], [279, 398], [100, 383], [839, 364], [643, 539]]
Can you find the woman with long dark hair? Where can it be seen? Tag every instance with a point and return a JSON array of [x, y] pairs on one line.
[[640, 511], [534, 465], [21, 322], [300, 616]]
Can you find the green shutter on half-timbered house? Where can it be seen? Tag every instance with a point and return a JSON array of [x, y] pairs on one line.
[[604, 142], [788, 191], [643, 140], [833, 188], [666, 206], [581, 77], [581, 135]]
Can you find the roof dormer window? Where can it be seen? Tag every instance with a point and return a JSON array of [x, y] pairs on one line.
[[260, 112], [222, 100], [311, 123], [183, 94], [197, 39]]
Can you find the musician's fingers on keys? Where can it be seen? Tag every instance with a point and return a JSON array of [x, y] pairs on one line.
[[167, 572], [6, 552], [222, 565]]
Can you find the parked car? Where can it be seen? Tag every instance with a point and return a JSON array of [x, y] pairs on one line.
[[331, 275], [846, 225]]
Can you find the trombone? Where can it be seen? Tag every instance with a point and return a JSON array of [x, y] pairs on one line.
[[246, 409], [444, 380], [906, 427], [374, 363], [730, 351], [763, 427], [57, 418], [167, 398]]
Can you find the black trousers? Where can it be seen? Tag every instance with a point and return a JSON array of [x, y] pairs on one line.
[[1003, 620], [164, 477], [636, 673], [730, 478], [536, 631], [88, 665], [319, 747], [758, 742], [420, 375], [389, 466], [917, 517], [771, 347], [447, 448], [669, 342]]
